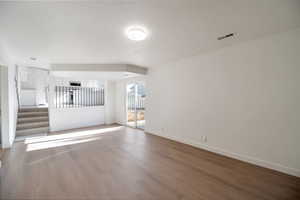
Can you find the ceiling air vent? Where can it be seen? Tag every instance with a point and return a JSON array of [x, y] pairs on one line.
[[226, 36]]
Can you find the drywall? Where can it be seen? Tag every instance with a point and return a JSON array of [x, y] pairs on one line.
[[0, 105], [110, 89], [9, 105], [28, 97], [244, 99], [120, 104], [68, 118], [4, 108], [1, 59], [13, 102], [5, 58]]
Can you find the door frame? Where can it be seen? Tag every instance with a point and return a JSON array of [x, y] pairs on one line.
[[135, 82]]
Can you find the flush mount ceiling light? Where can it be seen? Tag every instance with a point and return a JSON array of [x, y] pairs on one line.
[[136, 33]]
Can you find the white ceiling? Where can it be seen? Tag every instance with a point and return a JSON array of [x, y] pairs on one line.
[[93, 31]]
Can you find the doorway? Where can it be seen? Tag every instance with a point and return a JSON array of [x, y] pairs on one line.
[[34, 86], [136, 96]]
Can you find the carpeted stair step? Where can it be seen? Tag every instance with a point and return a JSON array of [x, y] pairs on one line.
[[21, 110], [33, 119], [32, 114], [32, 125], [26, 132]]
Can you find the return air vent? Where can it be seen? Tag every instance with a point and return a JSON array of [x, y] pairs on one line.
[[226, 36], [75, 83]]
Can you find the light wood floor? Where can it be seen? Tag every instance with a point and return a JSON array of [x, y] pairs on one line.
[[1, 152], [118, 163]]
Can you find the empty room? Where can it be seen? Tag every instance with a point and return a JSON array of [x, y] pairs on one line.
[[150, 100]]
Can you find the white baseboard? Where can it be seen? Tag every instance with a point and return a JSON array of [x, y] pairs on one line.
[[255, 161]]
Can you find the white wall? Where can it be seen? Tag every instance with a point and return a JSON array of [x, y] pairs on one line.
[[5, 58], [13, 103], [0, 104], [110, 99], [120, 106], [9, 106], [4, 108], [69, 118], [28, 97], [245, 99]]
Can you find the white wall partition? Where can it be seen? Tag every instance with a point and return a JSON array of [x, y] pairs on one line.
[[69, 118], [242, 101]]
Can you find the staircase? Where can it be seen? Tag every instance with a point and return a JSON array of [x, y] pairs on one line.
[[32, 121]]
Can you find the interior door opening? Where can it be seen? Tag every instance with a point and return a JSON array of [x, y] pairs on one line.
[[136, 96]]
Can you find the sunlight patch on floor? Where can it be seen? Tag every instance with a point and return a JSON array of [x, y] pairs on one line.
[[65, 139], [57, 143], [72, 134]]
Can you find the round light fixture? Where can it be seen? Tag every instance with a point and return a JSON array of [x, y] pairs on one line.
[[136, 33]]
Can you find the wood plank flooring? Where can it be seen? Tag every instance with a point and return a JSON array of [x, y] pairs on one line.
[[119, 163], [1, 154]]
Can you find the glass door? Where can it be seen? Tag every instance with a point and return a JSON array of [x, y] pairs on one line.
[[136, 97], [131, 109], [140, 105]]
